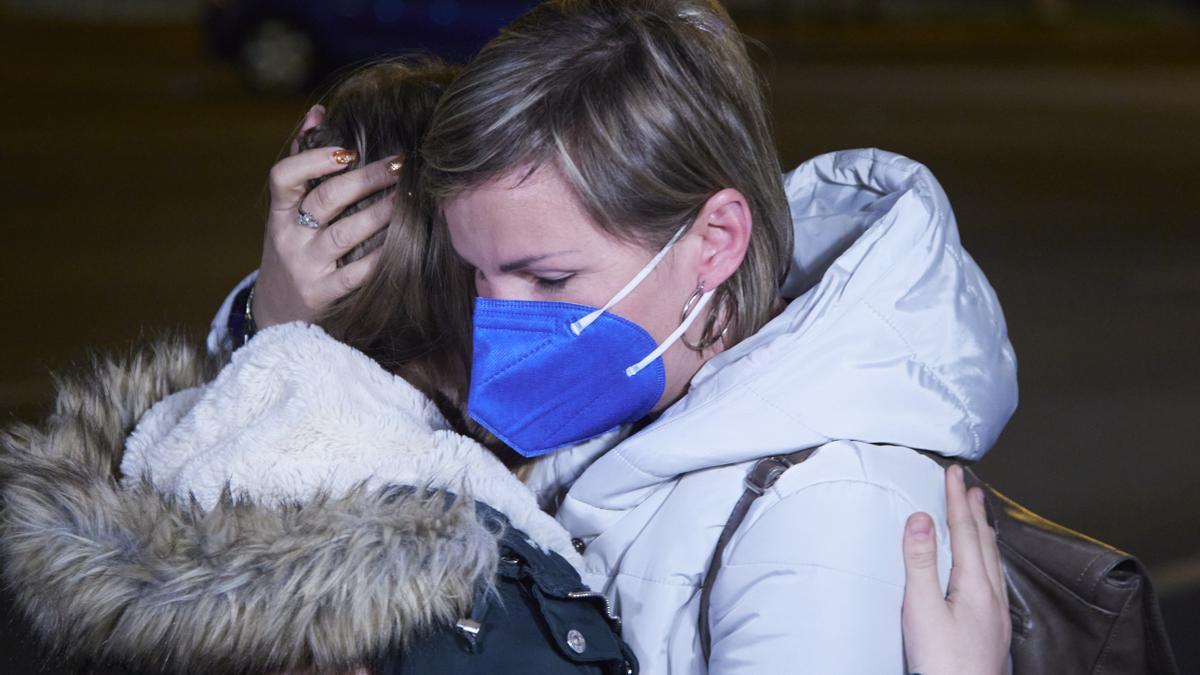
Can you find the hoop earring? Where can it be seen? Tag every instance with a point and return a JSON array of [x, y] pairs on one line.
[[707, 339]]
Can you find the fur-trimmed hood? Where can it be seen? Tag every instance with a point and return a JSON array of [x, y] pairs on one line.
[[363, 535]]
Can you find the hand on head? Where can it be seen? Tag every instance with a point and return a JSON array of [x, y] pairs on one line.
[[299, 275]]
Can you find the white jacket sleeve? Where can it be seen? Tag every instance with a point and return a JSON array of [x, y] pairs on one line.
[[218, 331], [813, 582]]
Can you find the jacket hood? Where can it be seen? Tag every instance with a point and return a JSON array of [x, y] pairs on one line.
[[325, 569], [894, 336]]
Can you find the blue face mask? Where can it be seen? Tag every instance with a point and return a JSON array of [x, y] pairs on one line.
[[545, 375]]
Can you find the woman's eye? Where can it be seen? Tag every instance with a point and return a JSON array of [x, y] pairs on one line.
[[552, 283]]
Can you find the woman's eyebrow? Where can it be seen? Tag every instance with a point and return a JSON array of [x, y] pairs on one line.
[[526, 262]]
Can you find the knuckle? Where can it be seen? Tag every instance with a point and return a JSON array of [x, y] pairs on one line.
[[922, 559], [321, 200], [308, 298], [965, 523], [384, 175], [342, 236], [339, 237], [275, 177], [278, 242]]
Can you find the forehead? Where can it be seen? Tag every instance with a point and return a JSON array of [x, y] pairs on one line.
[[520, 213]]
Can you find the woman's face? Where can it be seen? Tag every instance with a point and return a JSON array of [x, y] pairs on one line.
[[531, 240]]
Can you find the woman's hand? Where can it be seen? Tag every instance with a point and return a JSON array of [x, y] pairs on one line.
[[967, 631], [299, 276]]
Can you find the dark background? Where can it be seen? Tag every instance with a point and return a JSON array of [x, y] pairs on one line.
[[132, 174]]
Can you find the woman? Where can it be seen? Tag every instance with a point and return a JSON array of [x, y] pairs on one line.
[[634, 253], [305, 510], [915, 354]]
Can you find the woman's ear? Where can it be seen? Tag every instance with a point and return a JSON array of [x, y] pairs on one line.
[[723, 226]]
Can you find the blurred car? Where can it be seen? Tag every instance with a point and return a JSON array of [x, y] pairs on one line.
[[286, 46]]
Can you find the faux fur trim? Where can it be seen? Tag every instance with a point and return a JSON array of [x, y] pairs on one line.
[[109, 572]]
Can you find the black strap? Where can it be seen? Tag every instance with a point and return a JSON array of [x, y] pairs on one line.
[[240, 326], [761, 478]]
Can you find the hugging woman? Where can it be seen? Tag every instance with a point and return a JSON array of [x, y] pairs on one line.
[[309, 508], [608, 171], [657, 311]]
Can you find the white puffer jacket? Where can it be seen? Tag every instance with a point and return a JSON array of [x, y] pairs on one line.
[[895, 340]]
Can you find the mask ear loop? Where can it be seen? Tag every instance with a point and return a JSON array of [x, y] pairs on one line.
[[582, 324], [672, 338]]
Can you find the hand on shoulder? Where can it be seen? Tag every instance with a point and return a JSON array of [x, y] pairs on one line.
[[967, 631]]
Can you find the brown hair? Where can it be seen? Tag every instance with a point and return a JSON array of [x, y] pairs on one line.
[[647, 108], [412, 314]]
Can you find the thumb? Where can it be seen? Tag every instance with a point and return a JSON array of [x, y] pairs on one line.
[[922, 591]]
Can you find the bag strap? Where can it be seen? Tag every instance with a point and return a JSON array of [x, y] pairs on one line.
[[760, 479]]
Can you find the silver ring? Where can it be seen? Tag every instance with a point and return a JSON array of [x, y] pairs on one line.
[[307, 220]]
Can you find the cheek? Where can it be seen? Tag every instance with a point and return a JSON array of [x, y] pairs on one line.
[[665, 317], [656, 303], [656, 310], [671, 294]]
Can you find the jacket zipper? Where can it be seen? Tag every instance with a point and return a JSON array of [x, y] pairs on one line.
[[581, 595]]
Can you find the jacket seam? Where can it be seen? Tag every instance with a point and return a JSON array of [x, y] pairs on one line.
[[732, 551], [662, 582], [816, 566], [856, 481], [617, 452], [960, 401], [784, 413]]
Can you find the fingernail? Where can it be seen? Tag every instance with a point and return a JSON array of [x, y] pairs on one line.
[[345, 157], [977, 495], [395, 166], [920, 528]]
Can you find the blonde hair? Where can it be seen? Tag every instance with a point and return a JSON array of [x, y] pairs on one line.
[[647, 108]]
